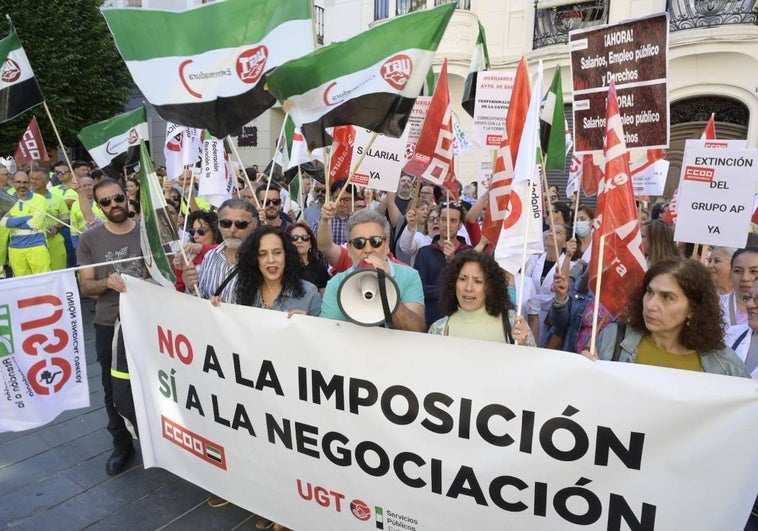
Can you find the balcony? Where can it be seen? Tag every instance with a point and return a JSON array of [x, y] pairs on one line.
[[553, 19], [318, 17], [690, 14], [386, 8]]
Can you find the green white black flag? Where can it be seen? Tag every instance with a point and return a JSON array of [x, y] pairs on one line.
[[115, 143], [370, 80], [206, 67], [19, 90]]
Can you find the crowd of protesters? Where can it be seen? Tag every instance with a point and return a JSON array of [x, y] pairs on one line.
[[266, 249]]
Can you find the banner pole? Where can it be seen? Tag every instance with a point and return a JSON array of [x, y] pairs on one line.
[[596, 309], [357, 165], [60, 142], [247, 179]]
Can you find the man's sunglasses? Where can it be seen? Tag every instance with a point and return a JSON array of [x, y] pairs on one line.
[[241, 224], [301, 237], [275, 202], [360, 243], [199, 232], [131, 213], [106, 201]]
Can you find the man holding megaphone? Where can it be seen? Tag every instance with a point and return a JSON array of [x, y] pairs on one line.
[[368, 246]]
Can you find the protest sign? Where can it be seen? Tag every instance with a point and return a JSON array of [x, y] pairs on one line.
[[380, 168], [321, 424], [634, 54], [493, 94], [651, 180], [483, 180], [716, 191], [43, 369]]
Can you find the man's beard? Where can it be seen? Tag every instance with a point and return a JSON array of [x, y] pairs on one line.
[[272, 216], [117, 214], [232, 242]]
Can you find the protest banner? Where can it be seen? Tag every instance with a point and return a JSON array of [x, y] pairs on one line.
[[380, 168], [493, 94], [321, 424], [483, 179], [44, 371], [635, 55], [716, 191], [651, 180]]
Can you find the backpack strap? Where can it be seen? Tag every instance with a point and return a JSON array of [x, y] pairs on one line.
[[739, 339], [620, 335]]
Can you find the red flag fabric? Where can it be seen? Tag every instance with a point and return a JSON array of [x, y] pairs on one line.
[[433, 159], [343, 139], [518, 107], [709, 133], [499, 191], [624, 263], [31, 147]]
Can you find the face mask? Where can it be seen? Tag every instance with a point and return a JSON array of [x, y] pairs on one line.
[[583, 228], [512, 293]]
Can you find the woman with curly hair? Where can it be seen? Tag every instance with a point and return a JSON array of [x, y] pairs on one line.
[[269, 275], [672, 320], [474, 298], [305, 242], [204, 237]]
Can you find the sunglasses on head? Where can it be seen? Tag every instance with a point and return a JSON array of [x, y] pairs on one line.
[[275, 202], [116, 198], [239, 223], [301, 237], [131, 213], [199, 232], [360, 243]]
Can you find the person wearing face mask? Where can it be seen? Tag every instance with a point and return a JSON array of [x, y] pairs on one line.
[[583, 231], [474, 303]]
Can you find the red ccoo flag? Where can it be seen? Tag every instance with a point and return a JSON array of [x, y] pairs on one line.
[[433, 159], [343, 139], [624, 263], [31, 148], [499, 190], [518, 107]]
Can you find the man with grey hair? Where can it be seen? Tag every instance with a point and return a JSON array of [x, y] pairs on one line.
[[237, 219], [368, 246]]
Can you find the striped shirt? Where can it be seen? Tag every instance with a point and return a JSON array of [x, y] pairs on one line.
[[339, 229], [213, 272]]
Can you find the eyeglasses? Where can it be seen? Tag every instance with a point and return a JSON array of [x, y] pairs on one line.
[[360, 243], [747, 298], [450, 204], [131, 213], [199, 232], [320, 190], [106, 201], [433, 219], [301, 237], [275, 202], [21, 183], [241, 224]]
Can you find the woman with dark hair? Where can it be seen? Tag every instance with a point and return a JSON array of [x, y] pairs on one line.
[[744, 271], [474, 299], [270, 275], [658, 241], [204, 236], [305, 243], [135, 211], [132, 188], [672, 320]]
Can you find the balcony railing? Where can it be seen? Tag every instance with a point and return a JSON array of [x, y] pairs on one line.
[[553, 19], [382, 8], [318, 16], [689, 14]]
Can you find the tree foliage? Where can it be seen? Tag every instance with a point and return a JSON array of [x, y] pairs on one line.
[[81, 74]]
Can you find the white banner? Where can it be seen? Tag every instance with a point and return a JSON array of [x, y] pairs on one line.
[[415, 124], [493, 95], [44, 370], [215, 182], [380, 168], [651, 180], [716, 190], [320, 424], [483, 180]]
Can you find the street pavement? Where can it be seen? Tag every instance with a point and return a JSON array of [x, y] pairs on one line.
[[53, 477]]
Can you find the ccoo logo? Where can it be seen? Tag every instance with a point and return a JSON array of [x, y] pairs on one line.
[[397, 70], [251, 64], [10, 71], [360, 510]]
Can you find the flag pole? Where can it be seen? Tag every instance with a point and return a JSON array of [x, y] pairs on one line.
[[23, 202], [704, 256], [545, 188], [273, 160], [60, 142], [357, 165], [300, 197], [247, 179], [596, 309]]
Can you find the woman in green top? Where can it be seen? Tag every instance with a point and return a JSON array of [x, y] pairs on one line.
[[672, 320], [474, 296]]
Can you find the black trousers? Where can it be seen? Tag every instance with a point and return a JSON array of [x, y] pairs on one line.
[[122, 439]]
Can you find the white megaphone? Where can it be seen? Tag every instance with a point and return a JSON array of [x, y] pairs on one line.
[[368, 297]]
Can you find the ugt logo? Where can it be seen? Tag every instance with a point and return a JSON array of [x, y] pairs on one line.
[[250, 64], [10, 71], [6, 332]]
